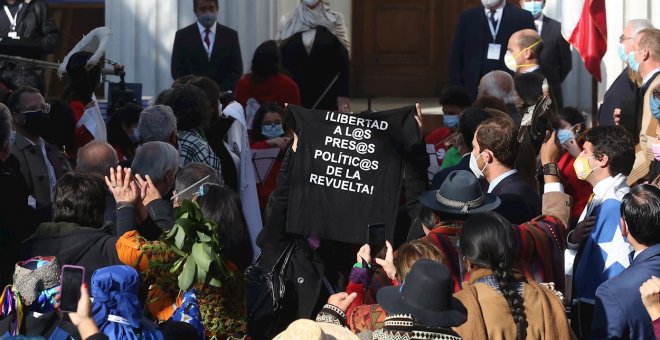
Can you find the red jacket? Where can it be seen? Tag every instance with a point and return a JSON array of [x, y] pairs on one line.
[[578, 189]]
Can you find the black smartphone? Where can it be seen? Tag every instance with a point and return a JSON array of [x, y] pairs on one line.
[[72, 279], [376, 238]]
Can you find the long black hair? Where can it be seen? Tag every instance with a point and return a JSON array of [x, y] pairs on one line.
[[487, 240], [266, 62], [223, 206]]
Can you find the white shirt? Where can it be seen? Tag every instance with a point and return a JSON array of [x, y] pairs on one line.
[[532, 69], [498, 11], [539, 24], [52, 179], [650, 75], [202, 29], [499, 179]]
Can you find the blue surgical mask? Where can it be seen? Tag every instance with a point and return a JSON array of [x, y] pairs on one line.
[[565, 135], [634, 65], [655, 106], [450, 121], [622, 53], [535, 7], [272, 131]]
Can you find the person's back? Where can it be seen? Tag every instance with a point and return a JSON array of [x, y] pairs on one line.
[[75, 236], [619, 311], [494, 291]]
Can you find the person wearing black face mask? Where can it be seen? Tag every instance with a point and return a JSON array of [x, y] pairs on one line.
[[39, 160], [207, 48]]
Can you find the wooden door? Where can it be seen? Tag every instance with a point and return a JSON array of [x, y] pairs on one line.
[[401, 47]]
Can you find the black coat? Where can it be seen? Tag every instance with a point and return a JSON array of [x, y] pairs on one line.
[[520, 202], [91, 248], [189, 56], [17, 220], [313, 72], [621, 89], [468, 62], [555, 60], [305, 269], [40, 35]]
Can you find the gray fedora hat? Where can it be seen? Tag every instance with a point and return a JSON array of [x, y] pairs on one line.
[[459, 194]]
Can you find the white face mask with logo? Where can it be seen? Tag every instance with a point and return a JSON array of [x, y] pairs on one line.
[[490, 3]]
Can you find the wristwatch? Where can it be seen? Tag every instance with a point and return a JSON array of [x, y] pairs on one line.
[[550, 169]]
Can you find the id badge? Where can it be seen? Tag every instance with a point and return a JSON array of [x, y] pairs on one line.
[[494, 51], [13, 35]]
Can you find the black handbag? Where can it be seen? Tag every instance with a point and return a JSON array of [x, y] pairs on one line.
[[269, 308]]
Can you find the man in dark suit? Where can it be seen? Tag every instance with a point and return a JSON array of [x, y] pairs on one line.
[[623, 91], [619, 312], [207, 48], [467, 125], [494, 151], [555, 58], [480, 41]]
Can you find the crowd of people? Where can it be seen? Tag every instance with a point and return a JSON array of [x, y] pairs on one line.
[[538, 224]]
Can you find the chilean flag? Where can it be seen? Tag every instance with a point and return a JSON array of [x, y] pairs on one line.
[[584, 26]]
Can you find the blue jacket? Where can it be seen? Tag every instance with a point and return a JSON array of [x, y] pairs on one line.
[[619, 312]]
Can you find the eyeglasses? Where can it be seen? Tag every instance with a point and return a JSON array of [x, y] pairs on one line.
[[623, 38], [270, 127], [44, 108]]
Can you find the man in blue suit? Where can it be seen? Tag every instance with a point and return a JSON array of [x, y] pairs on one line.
[[480, 41], [619, 312]]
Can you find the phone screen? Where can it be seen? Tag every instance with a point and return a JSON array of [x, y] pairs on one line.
[[72, 279], [376, 238]]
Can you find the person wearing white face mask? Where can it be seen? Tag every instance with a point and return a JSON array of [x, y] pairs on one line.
[[480, 41], [315, 50], [555, 58], [623, 86], [207, 48], [494, 152]]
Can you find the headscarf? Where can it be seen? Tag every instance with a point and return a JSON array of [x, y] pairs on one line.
[[303, 19], [116, 309]]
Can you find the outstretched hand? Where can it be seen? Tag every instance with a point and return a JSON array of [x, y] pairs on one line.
[[122, 186]]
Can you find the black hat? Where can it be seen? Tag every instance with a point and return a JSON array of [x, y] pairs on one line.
[[459, 194], [426, 294]]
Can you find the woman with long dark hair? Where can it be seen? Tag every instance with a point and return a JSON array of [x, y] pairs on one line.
[[502, 303], [266, 82], [268, 131]]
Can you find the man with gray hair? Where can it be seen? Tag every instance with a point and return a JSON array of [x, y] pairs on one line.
[[193, 173], [97, 157], [17, 219], [158, 123], [499, 84], [624, 87], [157, 162]]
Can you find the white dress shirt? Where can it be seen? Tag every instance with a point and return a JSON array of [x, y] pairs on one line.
[[202, 29], [499, 179]]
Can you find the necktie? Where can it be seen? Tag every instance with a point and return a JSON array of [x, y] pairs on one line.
[[207, 40], [492, 18]]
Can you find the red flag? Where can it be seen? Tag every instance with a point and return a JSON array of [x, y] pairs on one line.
[[589, 34]]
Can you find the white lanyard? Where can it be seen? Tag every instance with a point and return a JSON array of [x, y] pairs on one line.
[[494, 30], [118, 319], [12, 20]]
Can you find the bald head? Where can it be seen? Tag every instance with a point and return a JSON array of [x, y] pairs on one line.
[[525, 47], [498, 84], [97, 157]]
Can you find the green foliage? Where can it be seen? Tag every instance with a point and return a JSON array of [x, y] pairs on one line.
[[195, 241]]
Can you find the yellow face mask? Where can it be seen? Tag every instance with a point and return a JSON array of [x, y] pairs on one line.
[[582, 167]]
